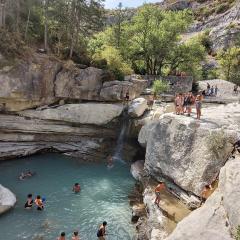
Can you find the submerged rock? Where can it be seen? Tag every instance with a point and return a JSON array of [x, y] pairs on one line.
[[137, 107], [7, 199], [218, 218], [188, 151]]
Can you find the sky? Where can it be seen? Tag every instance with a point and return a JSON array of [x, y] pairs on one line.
[[127, 3]]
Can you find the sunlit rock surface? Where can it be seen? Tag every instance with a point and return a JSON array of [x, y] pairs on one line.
[[7, 199], [188, 151], [218, 218], [137, 107], [86, 113]]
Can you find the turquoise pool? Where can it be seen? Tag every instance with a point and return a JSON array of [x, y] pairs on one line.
[[104, 197]]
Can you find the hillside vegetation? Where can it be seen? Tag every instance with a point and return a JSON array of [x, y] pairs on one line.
[[146, 40]]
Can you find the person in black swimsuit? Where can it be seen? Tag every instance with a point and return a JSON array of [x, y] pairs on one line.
[[102, 231], [29, 203]]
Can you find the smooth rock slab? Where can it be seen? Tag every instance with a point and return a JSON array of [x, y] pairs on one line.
[[7, 199], [86, 113], [137, 107]]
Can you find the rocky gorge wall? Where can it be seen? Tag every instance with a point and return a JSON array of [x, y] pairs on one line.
[[191, 154], [42, 80]]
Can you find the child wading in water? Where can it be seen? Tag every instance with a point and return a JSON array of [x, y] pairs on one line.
[[75, 236]]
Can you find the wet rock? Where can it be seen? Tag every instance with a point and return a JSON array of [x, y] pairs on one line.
[[191, 152], [137, 212], [218, 218], [86, 113], [137, 169], [137, 107], [7, 199]]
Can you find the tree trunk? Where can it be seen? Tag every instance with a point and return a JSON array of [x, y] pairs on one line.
[[2, 13], [46, 25], [26, 29], [17, 15]]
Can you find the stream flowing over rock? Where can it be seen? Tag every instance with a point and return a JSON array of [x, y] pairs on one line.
[[188, 151], [218, 218], [7, 199]]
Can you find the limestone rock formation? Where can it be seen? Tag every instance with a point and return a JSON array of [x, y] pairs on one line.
[[29, 83], [137, 169], [116, 90], [7, 199], [43, 80], [188, 151], [85, 113], [218, 218], [137, 107]]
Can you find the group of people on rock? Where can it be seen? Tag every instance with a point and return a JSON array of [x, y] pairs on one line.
[[185, 101], [211, 90]]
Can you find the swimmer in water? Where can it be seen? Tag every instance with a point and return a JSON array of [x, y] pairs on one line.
[[76, 188], [39, 203], [62, 236], [75, 236], [29, 203], [110, 162]]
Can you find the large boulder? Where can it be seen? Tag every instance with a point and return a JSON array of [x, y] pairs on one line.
[[137, 107], [85, 113], [218, 218], [188, 151], [7, 199], [29, 83], [77, 83], [116, 90]]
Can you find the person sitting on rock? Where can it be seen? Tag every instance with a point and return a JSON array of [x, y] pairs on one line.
[[76, 188], [206, 192], [158, 189], [236, 147]]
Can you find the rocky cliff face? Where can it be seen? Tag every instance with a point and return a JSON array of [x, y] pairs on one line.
[[43, 80], [191, 152], [219, 217]]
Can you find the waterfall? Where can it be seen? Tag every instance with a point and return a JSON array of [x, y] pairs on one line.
[[117, 155]]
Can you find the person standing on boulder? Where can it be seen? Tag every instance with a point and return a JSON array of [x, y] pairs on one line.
[[198, 103], [158, 189]]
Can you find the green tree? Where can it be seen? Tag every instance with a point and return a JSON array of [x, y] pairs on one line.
[[114, 60], [229, 61], [160, 86]]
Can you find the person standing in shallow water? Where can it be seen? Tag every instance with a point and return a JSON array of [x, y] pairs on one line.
[[102, 231], [62, 236], [39, 203], [75, 236], [29, 203], [76, 188], [158, 189]]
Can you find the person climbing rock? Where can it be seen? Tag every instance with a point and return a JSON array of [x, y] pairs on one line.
[[158, 189], [102, 231], [206, 192], [62, 236], [76, 188], [75, 236], [29, 203], [39, 203]]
